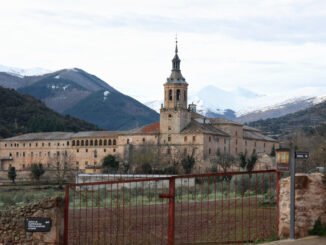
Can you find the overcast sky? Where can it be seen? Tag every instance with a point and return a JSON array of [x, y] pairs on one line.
[[263, 45]]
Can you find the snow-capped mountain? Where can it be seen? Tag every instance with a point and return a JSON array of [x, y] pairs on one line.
[[244, 105], [78, 93], [23, 72]]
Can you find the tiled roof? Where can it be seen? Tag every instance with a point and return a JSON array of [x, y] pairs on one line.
[[153, 128], [254, 135], [42, 136], [196, 115], [196, 127], [223, 121], [87, 134], [245, 127], [62, 135]]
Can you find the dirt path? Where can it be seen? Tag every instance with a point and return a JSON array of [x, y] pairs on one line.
[[312, 240]]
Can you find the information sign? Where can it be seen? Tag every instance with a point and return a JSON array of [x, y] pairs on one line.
[[36, 224]]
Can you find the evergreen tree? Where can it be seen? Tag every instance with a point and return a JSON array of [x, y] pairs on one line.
[[12, 174], [37, 171], [273, 153], [110, 164]]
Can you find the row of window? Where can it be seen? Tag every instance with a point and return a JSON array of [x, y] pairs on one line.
[[40, 154], [178, 95], [93, 142], [95, 152], [35, 144]]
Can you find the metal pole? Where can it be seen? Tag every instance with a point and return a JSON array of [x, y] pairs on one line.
[[66, 215], [171, 211], [292, 194]]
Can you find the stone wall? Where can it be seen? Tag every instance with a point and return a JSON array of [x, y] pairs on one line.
[[12, 223], [310, 203]]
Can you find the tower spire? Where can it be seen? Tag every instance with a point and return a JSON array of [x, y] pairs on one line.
[[176, 43], [176, 76]]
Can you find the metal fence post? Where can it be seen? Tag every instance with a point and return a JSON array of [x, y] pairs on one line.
[[66, 223], [171, 211], [292, 195], [278, 174]]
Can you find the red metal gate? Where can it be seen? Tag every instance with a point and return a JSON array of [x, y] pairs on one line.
[[223, 208]]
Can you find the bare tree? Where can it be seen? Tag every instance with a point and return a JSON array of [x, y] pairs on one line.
[[61, 163], [223, 160], [143, 155]]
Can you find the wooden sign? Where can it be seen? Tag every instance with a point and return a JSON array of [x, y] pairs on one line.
[[36, 224]]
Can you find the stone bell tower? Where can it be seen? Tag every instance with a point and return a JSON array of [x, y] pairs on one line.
[[174, 114]]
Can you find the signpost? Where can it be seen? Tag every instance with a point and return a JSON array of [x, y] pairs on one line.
[[36, 224], [285, 159], [301, 155], [292, 194]]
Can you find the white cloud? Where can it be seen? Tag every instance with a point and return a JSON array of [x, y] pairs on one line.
[[264, 45]]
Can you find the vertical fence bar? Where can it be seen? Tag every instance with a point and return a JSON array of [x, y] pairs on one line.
[[278, 200], [171, 211], [66, 222], [204, 213]]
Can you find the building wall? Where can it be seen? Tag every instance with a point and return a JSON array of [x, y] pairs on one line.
[[173, 146], [25, 153], [174, 120], [172, 103]]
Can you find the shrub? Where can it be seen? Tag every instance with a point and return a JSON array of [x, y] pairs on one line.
[[318, 229]]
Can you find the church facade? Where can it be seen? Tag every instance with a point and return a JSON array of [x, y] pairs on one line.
[[181, 131]]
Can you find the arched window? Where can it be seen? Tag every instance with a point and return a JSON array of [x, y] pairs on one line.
[[178, 94], [185, 139], [105, 142], [100, 142], [185, 95], [73, 143], [128, 141], [170, 116], [170, 94], [143, 140], [114, 142], [91, 142], [77, 142], [86, 142], [110, 142], [95, 143], [82, 143], [67, 143]]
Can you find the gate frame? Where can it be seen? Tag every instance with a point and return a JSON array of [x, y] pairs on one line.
[[170, 195]]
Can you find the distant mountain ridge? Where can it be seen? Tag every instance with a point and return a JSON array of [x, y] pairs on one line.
[[24, 114], [80, 94], [243, 105], [304, 119], [278, 110]]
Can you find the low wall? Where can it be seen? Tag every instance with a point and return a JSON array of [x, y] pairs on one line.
[[310, 203], [12, 223]]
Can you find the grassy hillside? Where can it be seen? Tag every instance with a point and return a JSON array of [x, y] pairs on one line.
[[23, 114], [301, 120]]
